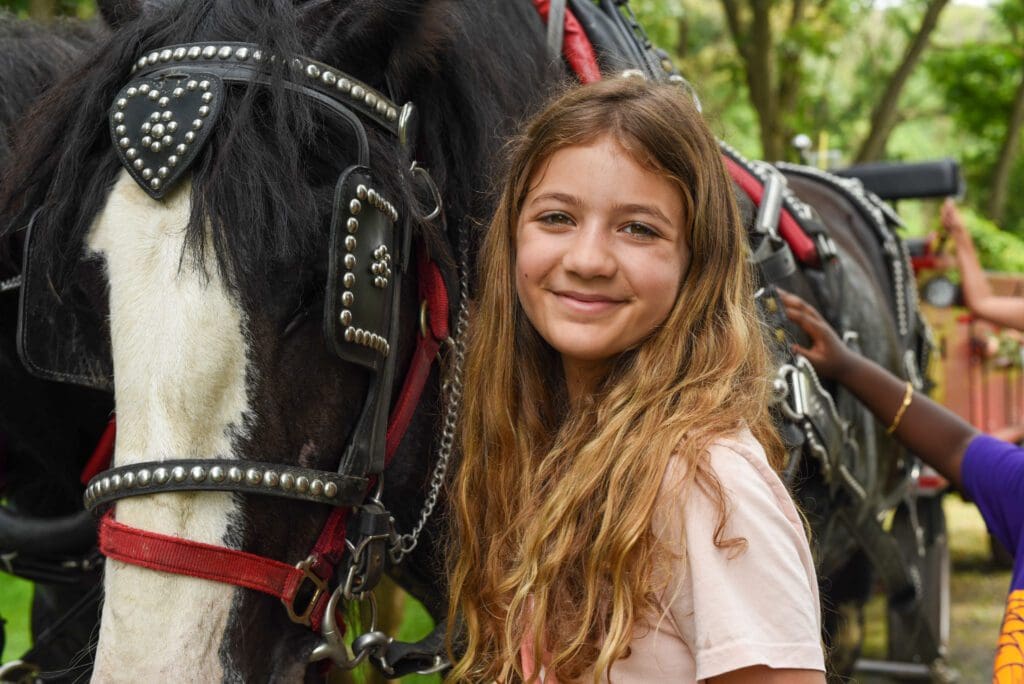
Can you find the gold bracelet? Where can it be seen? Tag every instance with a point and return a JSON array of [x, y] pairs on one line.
[[908, 397]]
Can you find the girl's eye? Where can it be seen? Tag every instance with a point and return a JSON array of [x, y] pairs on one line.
[[640, 230], [556, 217]]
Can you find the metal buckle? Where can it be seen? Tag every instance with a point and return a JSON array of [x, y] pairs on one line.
[[320, 585], [424, 326]]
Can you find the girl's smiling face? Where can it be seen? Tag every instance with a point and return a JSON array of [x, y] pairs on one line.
[[600, 252]]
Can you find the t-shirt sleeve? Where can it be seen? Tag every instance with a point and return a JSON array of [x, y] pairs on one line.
[[754, 604], [993, 476]]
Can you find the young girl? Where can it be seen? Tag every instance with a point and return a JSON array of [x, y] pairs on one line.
[[617, 514]]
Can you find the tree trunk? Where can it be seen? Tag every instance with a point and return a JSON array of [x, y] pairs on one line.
[[1007, 153], [883, 116]]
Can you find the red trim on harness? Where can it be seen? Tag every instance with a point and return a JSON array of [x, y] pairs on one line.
[[205, 561], [576, 46], [102, 455], [802, 246]]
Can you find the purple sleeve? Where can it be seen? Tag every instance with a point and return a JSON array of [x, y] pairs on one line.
[[993, 476]]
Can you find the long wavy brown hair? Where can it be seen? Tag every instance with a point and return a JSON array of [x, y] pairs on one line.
[[552, 505]]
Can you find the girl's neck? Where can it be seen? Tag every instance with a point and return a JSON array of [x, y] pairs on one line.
[[583, 377]]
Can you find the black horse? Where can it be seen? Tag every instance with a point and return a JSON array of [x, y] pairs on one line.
[[47, 429], [215, 346]]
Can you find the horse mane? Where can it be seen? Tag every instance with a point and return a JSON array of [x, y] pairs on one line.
[[264, 180]]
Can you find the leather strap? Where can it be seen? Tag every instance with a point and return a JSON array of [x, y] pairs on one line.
[[576, 47], [556, 28]]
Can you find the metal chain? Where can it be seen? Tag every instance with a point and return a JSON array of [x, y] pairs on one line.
[[405, 543], [12, 283]]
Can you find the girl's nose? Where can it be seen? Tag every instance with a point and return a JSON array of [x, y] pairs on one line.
[[591, 254]]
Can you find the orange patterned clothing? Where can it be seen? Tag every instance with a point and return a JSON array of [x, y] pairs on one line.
[[993, 475]]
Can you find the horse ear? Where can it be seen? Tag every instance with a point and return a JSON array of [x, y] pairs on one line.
[[117, 13]]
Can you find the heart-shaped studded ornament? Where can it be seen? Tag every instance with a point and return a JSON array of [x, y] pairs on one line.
[[159, 124]]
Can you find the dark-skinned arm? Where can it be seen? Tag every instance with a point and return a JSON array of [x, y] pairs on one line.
[[978, 295], [936, 434]]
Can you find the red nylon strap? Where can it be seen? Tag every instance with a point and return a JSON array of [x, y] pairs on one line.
[[802, 245], [434, 293], [102, 455], [576, 47]]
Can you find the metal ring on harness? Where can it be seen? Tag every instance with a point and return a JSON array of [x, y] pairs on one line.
[[333, 646], [421, 173]]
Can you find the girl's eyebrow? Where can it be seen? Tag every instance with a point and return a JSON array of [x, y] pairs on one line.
[[563, 197]]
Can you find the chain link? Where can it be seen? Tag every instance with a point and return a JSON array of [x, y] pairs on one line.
[[12, 283], [406, 543]]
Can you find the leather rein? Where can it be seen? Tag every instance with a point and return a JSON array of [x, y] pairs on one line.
[[155, 141]]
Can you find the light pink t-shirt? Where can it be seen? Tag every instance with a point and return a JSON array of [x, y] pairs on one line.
[[726, 609]]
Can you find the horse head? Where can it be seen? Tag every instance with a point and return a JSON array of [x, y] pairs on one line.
[[230, 215]]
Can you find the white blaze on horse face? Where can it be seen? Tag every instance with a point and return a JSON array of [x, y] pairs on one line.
[[179, 354]]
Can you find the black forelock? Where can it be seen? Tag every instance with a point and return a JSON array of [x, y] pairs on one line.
[[265, 178]]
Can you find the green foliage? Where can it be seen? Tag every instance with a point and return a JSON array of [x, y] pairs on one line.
[[998, 250]]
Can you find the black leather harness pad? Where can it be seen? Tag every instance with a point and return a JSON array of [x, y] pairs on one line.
[[160, 122], [61, 335], [361, 272]]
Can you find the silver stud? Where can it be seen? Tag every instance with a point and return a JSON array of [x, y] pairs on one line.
[[178, 54], [122, 103], [207, 97], [119, 117], [172, 126], [329, 78], [350, 242], [361, 191], [144, 476], [235, 474], [160, 475], [204, 85], [242, 53], [316, 487], [302, 484], [344, 85], [287, 481], [313, 71], [349, 279], [146, 140], [350, 334], [164, 101], [204, 110], [178, 92], [178, 473], [172, 161], [105, 485], [257, 55], [198, 473], [348, 298], [197, 124], [144, 88], [209, 51], [115, 481], [375, 267], [141, 63], [392, 114], [157, 130], [194, 52], [147, 173], [163, 171], [190, 137], [350, 261], [153, 57], [154, 116], [166, 140], [154, 95], [165, 55], [345, 317], [270, 479], [155, 183], [166, 115], [155, 146], [354, 206], [129, 480], [352, 225], [253, 476], [120, 130], [225, 52], [382, 107], [192, 85], [330, 490], [181, 147], [380, 282], [138, 164], [217, 474], [370, 99], [132, 92], [358, 91]]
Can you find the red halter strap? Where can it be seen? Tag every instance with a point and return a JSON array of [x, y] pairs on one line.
[[287, 582]]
